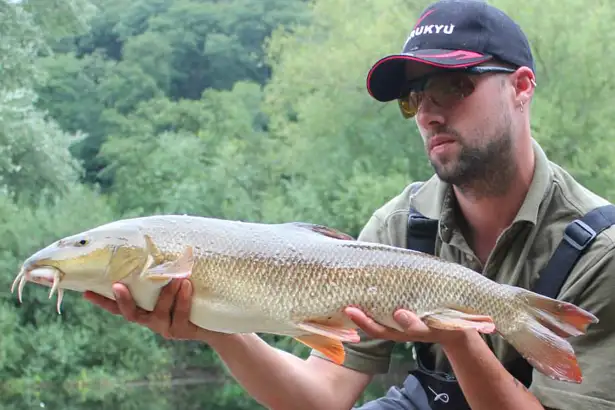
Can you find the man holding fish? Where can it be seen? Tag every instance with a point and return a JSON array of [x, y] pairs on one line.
[[466, 76]]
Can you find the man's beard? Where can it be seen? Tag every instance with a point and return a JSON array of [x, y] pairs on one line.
[[481, 171]]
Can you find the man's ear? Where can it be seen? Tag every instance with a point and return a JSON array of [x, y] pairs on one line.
[[524, 83]]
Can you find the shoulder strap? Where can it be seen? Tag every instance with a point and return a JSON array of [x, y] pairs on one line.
[[421, 231], [579, 234]]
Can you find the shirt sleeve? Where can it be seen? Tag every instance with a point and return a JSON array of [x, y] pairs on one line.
[[592, 288], [370, 355]]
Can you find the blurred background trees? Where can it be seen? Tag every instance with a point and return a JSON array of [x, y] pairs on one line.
[[242, 109]]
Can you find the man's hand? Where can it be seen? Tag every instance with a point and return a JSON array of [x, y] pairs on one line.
[[169, 317], [415, 329], [465, 349]]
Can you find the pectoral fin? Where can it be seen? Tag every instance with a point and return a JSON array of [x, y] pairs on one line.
[[450, 319], [177, 269], [124, 263]]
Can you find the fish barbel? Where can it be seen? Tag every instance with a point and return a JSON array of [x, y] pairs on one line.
[[295, 279]]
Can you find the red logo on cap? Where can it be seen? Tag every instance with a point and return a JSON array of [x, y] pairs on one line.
[[457, 54], [423, 18]]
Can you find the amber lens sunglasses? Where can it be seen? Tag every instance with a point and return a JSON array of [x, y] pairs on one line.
[[444, 89]]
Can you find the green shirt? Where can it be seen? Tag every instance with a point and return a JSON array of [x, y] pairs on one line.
[[554, 199]]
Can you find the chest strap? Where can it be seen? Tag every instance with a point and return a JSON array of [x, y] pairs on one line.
[[578, 236]]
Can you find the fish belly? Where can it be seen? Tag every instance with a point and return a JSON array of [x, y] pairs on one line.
[[221, 316]]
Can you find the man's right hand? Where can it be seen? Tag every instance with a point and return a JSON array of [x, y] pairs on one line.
[[276, 379], [169, 317]]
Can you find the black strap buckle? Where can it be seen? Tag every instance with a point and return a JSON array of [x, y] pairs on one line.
[[579, 235]]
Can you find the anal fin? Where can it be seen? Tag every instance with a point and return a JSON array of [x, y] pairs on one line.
[[326, 336], [450, 319], [331, 348], [330, 331]]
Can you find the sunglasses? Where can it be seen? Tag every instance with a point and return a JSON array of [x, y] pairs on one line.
[[444, 89]]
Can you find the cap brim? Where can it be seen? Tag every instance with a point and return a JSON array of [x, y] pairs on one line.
[[387, 76]]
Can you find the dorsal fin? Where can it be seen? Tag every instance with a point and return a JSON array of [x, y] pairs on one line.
[[323, 230]]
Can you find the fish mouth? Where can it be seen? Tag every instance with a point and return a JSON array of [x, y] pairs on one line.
[[49, 276]]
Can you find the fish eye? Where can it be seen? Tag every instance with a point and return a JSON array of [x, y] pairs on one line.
[[82, 242]]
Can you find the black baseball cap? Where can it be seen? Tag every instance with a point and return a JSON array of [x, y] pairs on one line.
[[452, 34]]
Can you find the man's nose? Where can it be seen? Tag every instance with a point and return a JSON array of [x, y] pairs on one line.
[[429, 113]]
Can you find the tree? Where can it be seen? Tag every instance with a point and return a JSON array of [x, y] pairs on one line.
[[146, 50]]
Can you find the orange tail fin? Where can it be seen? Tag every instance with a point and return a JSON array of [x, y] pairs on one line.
[[541, 340]]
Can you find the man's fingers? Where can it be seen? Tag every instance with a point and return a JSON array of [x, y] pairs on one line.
[[413, 325], [362, 320], [125, 303], [410, 321], [122, 305], [370, 326], [107, 304], [183, 304], [181, 327], [167, 296], [178, 292]]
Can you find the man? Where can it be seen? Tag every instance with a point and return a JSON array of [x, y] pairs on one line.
[[502, 209]]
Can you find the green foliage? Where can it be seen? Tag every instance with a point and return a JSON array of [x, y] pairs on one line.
[[49, 349], [22, 41], [242, 109], [35, 156], [572, 109], [197, 154], [146, 50], [345, 154]]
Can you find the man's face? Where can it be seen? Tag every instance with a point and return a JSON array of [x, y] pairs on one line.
[[467, 139]]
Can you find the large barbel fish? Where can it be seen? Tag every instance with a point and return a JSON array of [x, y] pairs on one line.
[[296, 278]]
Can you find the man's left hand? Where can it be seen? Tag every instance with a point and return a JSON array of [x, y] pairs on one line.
[[415, 330]]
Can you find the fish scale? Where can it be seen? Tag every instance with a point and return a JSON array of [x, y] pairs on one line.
[[295, 279]]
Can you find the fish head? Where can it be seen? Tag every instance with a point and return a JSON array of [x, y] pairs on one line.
[[87, 260]]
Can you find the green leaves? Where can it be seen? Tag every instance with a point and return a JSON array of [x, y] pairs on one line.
[[243, 109], [147, 50], [34, 151], [572, 110], [198, 157]]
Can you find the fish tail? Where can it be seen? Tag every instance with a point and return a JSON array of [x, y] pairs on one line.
[[540, 338]]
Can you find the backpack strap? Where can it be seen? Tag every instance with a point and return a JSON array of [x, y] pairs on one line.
[[421, 231], [578, 235]]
